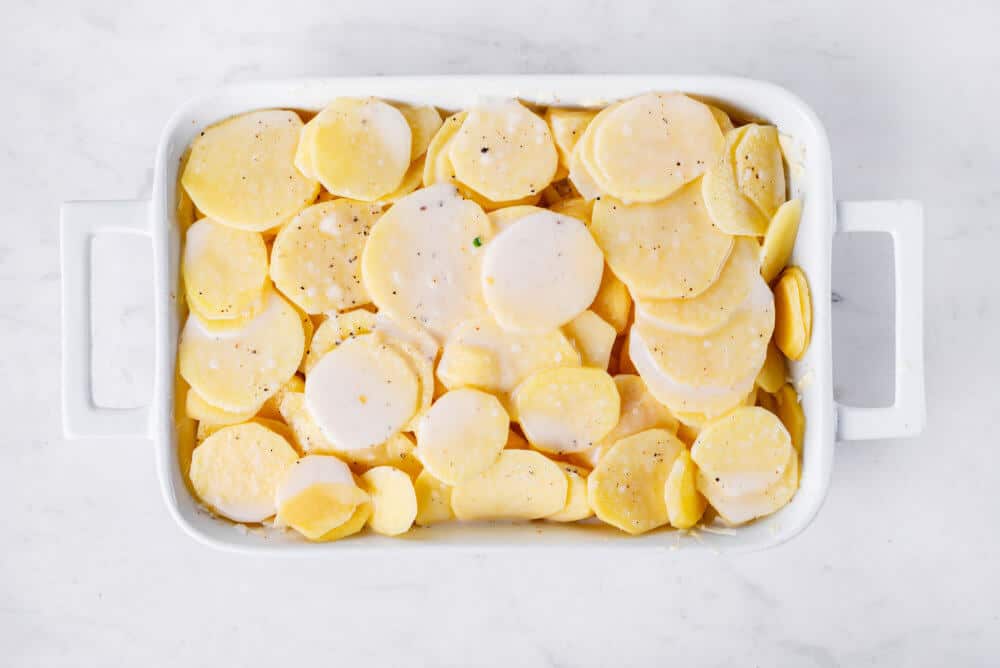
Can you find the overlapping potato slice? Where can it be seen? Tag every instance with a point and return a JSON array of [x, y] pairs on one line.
[[744, 451], [613, 301], [317, 495], [639, 411], [422, 262], [793, 313], [462, 434], [316, 257], [393, 500], [407, 331], [772, 374], [577, 506], [361, 148], [303, 158], [237, 370], [560, 190], [593, 338], [241, 171], [788, 408], [423, 367], [205, 413], [412, 179], [567, 410], [362, 392], [352, 526], [722, 118], [664, 250], [503, 218], [433, 500], [468, 366], [540, 272], [727, 206], [424, 122], [504, 151], [715, 306], [236, 471], [567, 126], [651, 145], [271, 409], [780, 239], [224, 270], [336, 329], [741, 508], [685, 504], [577, 207], [760, 172], [521, 484], [626, 487]]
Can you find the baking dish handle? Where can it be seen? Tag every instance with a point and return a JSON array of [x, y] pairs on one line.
[[903, 220], [79, 223]]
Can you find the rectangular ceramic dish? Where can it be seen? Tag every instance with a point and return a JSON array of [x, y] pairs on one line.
[[826, 421]]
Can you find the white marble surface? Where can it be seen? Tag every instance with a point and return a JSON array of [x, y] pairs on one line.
[[899, 569]]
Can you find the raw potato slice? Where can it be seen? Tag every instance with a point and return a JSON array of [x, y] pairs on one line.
[[361, 148], [567, 410], [685, 504], [317, 495], [316, 257], [772, 374], [626, 488], [639, 411], [664, 250], [308, 330], [462, 435], [793, 313], [503, 218], [352, 526], [541, 272], [393, 501], [742, 508], [224, 270], [408, 332], [593, 337], [271, 409], [238, 370], [421, 261], [335, 330], [521, 485], [433, 500], [651, 145], [580, 176], [744, 451], [241, 171], [760, 171], [236, 471], [468, 366], [423, 368], [613, 302], [567, 126], [577, 506], [727, 207], [788, 408], [424, 122], [722, 118], [577, 207], [716, 305], [205, 413], [304, 151], [780, 239], [361, 393], [504, 152], [412, 180]]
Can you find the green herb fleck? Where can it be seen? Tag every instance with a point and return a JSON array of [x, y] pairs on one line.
[[477, 242]]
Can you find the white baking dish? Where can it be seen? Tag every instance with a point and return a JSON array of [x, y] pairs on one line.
[[826, 420]]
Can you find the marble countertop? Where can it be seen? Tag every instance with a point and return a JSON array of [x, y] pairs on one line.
[[900, 568]]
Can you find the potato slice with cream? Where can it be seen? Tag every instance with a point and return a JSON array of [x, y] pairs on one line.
[[335, 330], [741, 508], [593, 338], [744, 451], [461, 435], [520, 485], [317, 495]]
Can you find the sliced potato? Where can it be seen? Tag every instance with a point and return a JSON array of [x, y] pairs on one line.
[[722, 118], [462, 435], [317, 495], [744, 451], [793, 313], [685, 504], [780, 239], [271, 409], [577, 506], [741, 508], [468, 366], [433, 500], [788, 408], [577, 207], [567, 126], [205, 413], [727, 207], [352, 526], [224, 270], [593, 337], [423, 368], [639, 411], [424, 122], [503, 218], [393, 500], [335, 330], [772, 374], [521, 484], [613, 302], [760, 172]]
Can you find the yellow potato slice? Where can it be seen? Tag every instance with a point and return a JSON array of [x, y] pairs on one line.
[[793, 313], [316, 258], [241, 171], [772, 374], [744, 451], [272, 407], [626, 488], [593, 338], [788, 408], [580, 176], [642, 243], [308, 330], [433, 500], [224, 270], [362, 392], [393, 500], [409, 332], [613, 301], [727, 207], [462, 435], [577, 506], [780, 239], [361, 148], [236, 471], [335, 330], [685, 504], [760, 172], [468, 366], [540, 272], [567, 410], [722, 118], [520, 485], [504, 151], [238, 370], [639, 411], [352, 526], [577, 207], [317, 495], [422, 367], [205, 413], [741, 508], [424, 122], [715, 306], [653, 144], [502, 218], [422, 261], [303, 159], [567, 126], [411, 181]]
